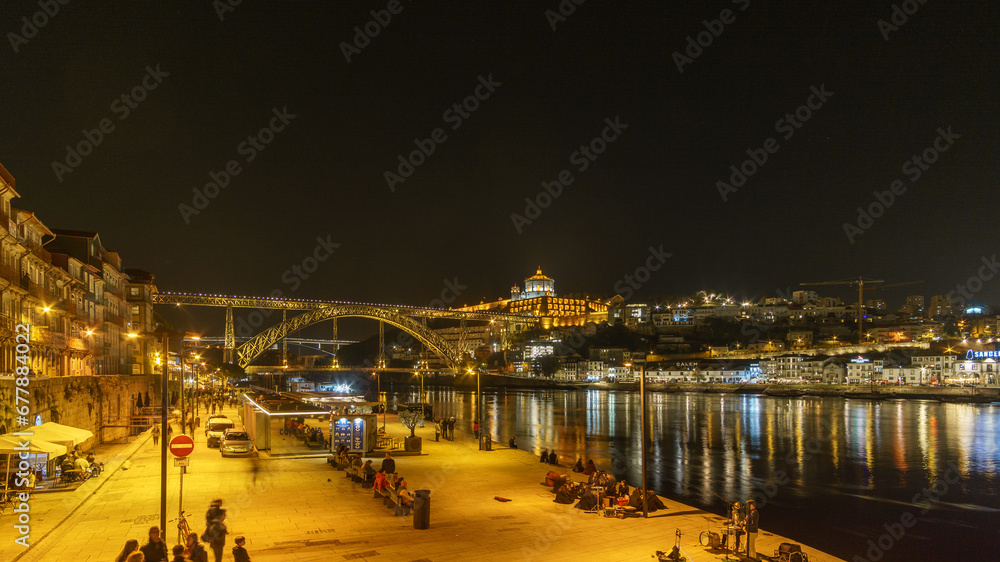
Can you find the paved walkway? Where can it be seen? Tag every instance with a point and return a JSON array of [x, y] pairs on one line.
[[302, 509]]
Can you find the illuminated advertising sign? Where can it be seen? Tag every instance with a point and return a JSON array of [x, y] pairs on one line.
[[982, 354], [350, 432], [341, 432]]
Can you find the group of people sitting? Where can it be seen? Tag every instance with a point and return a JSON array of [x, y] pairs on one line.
[[345, 459], [588, 470], [75, 466], [393, 481], [549, 457], [588, 495]]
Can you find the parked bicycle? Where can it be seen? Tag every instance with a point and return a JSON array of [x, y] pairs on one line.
[[183, 527]]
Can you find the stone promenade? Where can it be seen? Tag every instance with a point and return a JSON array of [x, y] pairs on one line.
[[302, 509]]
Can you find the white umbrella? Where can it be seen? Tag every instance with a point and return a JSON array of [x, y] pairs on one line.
[[60, 434], [11, 445], [78, 435], [17, 444]]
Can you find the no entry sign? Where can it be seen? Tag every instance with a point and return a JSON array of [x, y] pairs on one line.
[[181, 446]]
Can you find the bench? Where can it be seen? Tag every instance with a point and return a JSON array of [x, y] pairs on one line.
[[395, 503]]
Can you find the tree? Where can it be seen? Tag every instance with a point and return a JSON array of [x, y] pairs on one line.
[[411, 420], [549, 365]]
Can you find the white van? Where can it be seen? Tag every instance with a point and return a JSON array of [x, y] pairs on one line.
[[215, 428]]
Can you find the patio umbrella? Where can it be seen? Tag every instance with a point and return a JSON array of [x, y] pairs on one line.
[[11, 445], [60, 434]]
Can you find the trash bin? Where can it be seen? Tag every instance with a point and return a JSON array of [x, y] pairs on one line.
[[421, 509]]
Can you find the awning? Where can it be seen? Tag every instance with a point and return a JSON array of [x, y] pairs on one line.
[[11, 445], [60, 434]]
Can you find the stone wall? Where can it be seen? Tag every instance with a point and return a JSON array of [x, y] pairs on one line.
[[86, 402]]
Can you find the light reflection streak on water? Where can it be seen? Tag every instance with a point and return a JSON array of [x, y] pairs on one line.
[[873, 411]]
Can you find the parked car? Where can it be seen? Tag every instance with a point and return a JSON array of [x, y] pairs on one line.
[[213, 417], [215, 428], [236, 442]]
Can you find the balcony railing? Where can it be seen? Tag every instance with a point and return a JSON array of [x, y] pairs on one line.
[[38, 250], [39, 291], [9, 273], [114, 319]]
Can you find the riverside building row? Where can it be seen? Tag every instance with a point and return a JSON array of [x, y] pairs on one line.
[[86, 314]]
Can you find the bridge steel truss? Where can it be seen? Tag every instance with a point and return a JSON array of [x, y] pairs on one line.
[[400, 316], [429, 338]]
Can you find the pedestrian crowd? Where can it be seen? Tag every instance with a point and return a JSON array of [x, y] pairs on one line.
[[446, 428], [155, 550]]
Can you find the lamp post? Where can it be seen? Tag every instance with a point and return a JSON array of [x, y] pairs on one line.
[[180, 356], [164, 369], [378, 394]]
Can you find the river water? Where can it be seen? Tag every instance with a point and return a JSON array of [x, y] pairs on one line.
[[830, 472]]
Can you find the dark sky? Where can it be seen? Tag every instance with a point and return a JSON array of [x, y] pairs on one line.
[[655, 184]]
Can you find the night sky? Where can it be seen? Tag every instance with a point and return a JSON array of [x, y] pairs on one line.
[[219, 81]]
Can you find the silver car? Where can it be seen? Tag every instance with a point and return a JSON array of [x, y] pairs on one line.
[[236, 442]]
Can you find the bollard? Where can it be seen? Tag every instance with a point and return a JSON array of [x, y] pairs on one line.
[[421, 509]]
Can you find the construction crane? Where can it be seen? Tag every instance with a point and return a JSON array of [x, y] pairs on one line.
[[861, 282]]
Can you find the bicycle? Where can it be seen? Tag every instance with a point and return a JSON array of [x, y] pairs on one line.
[[183, 527]]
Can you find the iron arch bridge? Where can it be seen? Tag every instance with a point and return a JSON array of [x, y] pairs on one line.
[[400, 316], [429, 338]]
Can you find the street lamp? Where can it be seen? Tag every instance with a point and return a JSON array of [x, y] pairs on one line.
[[378, 395], [423, 413], [183, 385]]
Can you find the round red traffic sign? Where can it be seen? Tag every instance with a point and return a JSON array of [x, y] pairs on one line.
[[181, 446]]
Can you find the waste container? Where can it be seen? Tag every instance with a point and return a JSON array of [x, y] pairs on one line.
[[421, 509]]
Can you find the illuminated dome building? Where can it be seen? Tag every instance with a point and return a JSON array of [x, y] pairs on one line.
[[538, 285], [539, 299]]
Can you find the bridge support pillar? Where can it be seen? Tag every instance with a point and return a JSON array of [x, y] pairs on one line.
[[381, 345], [228, 354]]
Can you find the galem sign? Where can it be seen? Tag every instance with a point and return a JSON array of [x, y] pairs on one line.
[[982, 354]]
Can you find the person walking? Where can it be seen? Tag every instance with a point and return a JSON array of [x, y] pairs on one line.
[[155, 550], [475, 429], [156, 435], [215, 511], [216, 535], [752, 519], [437, 431]]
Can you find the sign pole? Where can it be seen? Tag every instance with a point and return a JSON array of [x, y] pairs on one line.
[[180, 509], [181, 446]]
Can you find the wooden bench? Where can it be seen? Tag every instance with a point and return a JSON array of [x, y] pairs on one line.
[[396, 504]]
